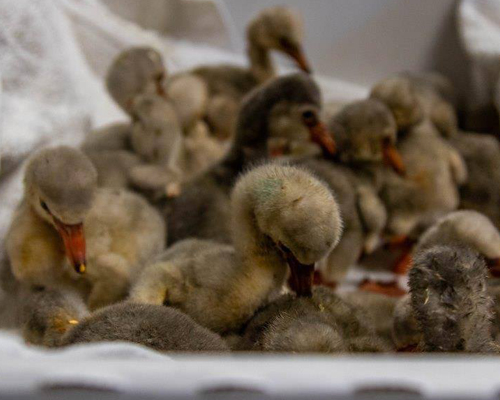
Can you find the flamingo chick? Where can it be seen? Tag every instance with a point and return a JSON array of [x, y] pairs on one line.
[[69, 232], [283, 220]]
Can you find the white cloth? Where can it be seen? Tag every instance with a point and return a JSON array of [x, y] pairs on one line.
[[12, 346]]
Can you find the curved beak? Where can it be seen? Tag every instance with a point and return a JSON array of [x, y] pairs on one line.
[[74, 244], [299, 56], [319, 134], [301, 278], [301, 275], [494, 266], [392, 158]]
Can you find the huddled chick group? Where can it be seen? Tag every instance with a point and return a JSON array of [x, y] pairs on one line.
[[228, 212]]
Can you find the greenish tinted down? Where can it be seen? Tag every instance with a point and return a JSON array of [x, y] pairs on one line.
[[267, 188]]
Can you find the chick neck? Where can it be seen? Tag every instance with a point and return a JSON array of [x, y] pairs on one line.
[[257, 250], [261, 65]]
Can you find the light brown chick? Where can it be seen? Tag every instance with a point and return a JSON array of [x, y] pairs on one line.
[[69, 232], [283, 219], [434, 170]]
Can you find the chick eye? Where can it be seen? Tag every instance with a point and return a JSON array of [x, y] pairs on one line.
[[160, 76], [285, 43], [44, 205], [309, 117]]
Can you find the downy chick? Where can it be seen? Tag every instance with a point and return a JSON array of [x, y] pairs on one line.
[[151, 151], [55, 318], [434, 170], [69, 232], [171, 157], [465, 228], [450, 301], [283, 220], [164, 329], [365, 135], [157, 139], [323, 323]]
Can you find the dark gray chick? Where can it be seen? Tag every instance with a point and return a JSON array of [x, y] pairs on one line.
[[323, 323], [56, 318], [450, 301], [161, 328]]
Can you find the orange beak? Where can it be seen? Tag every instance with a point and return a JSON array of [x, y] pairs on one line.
[[74, 244], [392, 158], [301, 278], [319, 134], [298, 55]]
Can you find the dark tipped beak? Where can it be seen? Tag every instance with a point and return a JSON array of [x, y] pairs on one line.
[[74, 244], [393, 159], [319, 134], [301, 278], [298, 55], [494, 267], [301, 275]]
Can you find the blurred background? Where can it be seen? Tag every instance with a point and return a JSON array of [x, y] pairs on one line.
[[364, 41], [357, 41]]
